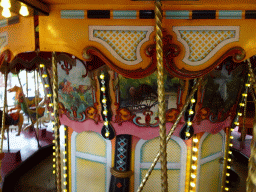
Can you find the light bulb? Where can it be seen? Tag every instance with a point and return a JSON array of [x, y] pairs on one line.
[[24, 10], [104, 100], [102, 76], [194, 158], [103, 89], [194, 167], [240, 114], [192, 184], [187, 134], [191, 112], [193, 100], [106, 123], [6, 13], [193, 176], [195, 140], [195, 149], [189, 123], [5, 4]]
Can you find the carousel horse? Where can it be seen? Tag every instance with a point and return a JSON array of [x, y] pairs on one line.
[[12, 119], [27, 105]]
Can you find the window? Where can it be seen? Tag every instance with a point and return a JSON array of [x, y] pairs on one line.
[[90, 162], [145, 153]]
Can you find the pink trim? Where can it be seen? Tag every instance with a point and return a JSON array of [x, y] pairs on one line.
[[143, 132]]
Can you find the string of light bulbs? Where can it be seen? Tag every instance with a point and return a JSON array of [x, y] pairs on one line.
[[6, 5], [193, 168]]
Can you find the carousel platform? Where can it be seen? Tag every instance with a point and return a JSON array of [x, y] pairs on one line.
[[24, 154]]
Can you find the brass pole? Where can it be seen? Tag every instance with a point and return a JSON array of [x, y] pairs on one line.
[[3, 118], [57, 122], [184, 108], [161, 95]]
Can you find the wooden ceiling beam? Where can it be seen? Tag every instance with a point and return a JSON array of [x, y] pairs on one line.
[[38, 6]]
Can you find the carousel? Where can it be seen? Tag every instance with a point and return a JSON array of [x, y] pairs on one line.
[[143, 95]]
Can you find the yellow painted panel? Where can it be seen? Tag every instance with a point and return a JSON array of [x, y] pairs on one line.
[[92, 143], [90, 176], [151, 147], [211, 145], [21, 36], [154, 182], [211, 171]]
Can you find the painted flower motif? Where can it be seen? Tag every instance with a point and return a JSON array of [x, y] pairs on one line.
[[67, 87]]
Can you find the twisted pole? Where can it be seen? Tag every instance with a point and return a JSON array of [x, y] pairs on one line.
[[161, 94], [184, 108], [57, 122]]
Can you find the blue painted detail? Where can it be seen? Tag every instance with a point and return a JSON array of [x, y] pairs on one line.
[[124, 14], [3, 23], [227, 14], [72, 14], [177, 14]]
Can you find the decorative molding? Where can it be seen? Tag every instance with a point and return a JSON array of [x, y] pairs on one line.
[[116, 38], [202, 42], [72, 14]]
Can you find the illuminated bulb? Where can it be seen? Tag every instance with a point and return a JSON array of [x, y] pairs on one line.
[[105, 112], [65, 168], [64, 152], [194, 167], [104, 100], [247, 85], [236, 123], [107, 134], [193, 100], [54, 153], [230, 152], [102, 76], [41, 65], [228, 167], [53, 165], [231, 129], [226, 189], [195, 149], [241, 104], [192, 184], [65, 175], [65, 190], [65, 144], [65, 129], [106, 123], [53, 159], [193, 176], [231, 137], [191, 112], [187, 134], [195, 140], [50, 104], [49, 95], [240, 114], [53, 141], [244, 94], [5, 4], [52, 114], [65, 183], [189, 123], [53, 171], [228, 174], [103, 89], [229, 160], [227, 181], [44, 75], [194, 158], [64, 160], [249, 75], [6, 13], [230, 144], [53, 147], [46, 85], [24, 10]]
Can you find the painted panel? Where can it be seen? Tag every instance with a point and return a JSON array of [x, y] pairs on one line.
[[75, 90], [139, 97]]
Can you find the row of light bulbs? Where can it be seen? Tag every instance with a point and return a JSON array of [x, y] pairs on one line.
[[6, 5], [242, 104], [194, 155], [104, 101]]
